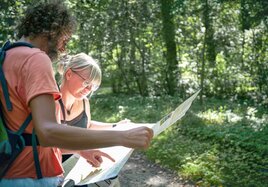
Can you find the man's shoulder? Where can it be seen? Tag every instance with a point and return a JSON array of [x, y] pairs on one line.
[[27, 51], [27, 54]]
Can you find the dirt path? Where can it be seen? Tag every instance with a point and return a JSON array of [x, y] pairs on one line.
[[140, 172]]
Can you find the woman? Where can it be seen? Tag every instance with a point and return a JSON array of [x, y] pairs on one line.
[[81, 77]]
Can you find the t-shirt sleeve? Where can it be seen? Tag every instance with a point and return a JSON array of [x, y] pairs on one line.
[[38, 77]]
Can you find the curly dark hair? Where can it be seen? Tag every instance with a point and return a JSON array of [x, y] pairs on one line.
[[50, 18]]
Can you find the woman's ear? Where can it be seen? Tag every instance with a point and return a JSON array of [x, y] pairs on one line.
[[68, 74]]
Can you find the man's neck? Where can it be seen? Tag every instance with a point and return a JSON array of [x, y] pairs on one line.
[[39, 42]]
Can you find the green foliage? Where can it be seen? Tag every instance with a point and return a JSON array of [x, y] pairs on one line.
[[225, 148], [220, 45], [222, 143], [136, 108]]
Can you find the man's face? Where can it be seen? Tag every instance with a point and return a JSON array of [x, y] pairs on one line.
[[57, 46], [64, 39]]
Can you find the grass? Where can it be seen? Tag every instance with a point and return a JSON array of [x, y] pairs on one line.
[[222, 143]]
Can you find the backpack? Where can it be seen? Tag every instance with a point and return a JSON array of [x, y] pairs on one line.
[[12, 143]]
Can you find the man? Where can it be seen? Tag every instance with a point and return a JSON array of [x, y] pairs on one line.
[[32, 89]]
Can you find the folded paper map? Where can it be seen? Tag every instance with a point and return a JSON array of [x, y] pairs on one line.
[[81, 172]]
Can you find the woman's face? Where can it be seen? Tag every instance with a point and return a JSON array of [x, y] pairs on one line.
[[80, 85]]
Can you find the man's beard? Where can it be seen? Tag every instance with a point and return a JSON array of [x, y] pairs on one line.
[[53, 52]]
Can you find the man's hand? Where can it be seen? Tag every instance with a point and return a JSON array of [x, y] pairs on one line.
[[94, 157], [138, 137]]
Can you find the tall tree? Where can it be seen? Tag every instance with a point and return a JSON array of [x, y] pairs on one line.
[[170, 52], [245, 25]]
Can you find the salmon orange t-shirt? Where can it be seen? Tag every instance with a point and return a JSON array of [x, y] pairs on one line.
[[29, 73]]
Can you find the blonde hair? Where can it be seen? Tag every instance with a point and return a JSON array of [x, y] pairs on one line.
[[82, 63]]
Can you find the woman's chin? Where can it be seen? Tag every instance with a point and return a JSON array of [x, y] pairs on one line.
[[81, 95]]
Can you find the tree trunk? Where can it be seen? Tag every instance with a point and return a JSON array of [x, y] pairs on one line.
[[202, 71], [169, 39], [209, 53]]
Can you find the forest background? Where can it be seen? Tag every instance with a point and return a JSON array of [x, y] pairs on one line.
[[156, 53]]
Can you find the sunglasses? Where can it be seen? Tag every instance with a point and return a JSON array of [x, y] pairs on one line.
[[87, 83]]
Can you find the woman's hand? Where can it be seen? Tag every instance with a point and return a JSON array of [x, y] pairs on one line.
[[94, 157]]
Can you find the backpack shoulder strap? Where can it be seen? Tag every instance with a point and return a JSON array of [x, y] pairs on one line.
[[34, 141], [8, 45]]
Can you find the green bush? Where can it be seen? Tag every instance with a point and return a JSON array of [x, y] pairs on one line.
[[218, 144]]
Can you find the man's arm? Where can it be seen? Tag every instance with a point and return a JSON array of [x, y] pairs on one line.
[[51, 134]]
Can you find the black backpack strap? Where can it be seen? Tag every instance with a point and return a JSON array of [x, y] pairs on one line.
[[24, 125], [28, 139], [36, 158], [31, 140], [17, 44], [3, 80]]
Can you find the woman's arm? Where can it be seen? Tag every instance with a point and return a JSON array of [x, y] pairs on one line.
[[97, 125]]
